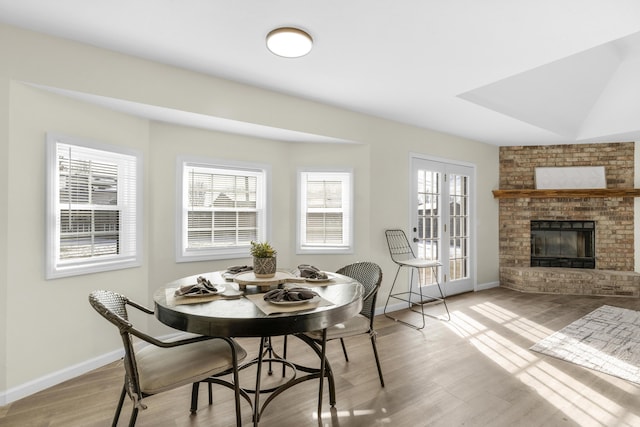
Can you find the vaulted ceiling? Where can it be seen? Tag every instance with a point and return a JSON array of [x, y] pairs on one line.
[[505, 72]]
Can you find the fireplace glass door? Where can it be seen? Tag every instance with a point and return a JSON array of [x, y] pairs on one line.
[[563, 244]]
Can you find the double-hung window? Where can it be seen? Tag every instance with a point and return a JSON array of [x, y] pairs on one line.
[[325, 212], [93, 207], [222, 208]]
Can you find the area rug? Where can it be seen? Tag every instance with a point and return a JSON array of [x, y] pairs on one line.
[[606, 340]]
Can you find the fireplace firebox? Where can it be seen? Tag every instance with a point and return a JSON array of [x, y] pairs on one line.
[[563, 244]]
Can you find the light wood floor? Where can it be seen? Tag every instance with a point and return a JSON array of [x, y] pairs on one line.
[[475, 370]]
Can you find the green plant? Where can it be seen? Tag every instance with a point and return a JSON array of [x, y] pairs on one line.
[[262, 250]]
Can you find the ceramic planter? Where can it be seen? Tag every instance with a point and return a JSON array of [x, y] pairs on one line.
[[264, 267]]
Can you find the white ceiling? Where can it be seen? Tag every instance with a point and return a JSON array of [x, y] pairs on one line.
[[505, 72]]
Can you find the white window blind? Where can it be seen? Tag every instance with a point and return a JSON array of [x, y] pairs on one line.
[[325, 212], [92, 207], [222, 211]]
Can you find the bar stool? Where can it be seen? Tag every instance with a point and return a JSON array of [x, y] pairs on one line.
[[402, 254]]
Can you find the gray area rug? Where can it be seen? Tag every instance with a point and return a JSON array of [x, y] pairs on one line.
[[606, 340]]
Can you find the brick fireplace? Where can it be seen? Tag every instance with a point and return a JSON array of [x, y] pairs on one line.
[[613, 216]]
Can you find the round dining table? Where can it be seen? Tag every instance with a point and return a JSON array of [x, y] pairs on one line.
[[240, 310]]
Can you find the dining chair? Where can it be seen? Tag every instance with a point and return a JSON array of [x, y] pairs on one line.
[[165, 365], [369, 275], [402, 254]]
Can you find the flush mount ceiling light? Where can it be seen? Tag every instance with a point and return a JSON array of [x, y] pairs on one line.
[[289, 42]]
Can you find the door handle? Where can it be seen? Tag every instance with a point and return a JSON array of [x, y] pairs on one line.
[[415, 240]]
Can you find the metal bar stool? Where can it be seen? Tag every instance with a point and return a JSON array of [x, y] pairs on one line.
[[402, 254]]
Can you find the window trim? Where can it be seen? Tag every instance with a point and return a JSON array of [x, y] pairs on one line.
[[348, 248], [54, 266], [211, 254]]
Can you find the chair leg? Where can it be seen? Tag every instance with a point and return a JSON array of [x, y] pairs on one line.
[[195, 391], [375, 353], [236, 382], [444, 301], [134, 417], [421, 299], [391, 291], [344, 350], [194, 397], [119, 408], [441, 298], [408, 300]]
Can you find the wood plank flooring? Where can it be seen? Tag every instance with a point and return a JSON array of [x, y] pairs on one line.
[[475, 370]]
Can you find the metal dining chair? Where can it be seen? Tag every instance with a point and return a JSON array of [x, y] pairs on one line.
[[402, 254], [370, 276], [165, 365]]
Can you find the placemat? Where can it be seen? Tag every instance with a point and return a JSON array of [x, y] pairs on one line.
[[281, 277], [173, 299], [268, 308], [308, 283]]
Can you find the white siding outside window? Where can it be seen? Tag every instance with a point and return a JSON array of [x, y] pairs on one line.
[[222, 209], [325, 214], [93, 207]]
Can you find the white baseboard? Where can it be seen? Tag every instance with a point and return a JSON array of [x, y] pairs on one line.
[[486, 286], [65, 374], [49, 380]]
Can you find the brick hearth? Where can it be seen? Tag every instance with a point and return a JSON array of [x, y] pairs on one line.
[[613, 215], [571, 281]]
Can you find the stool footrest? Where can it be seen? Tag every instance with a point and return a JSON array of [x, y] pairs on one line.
[[429, 299]]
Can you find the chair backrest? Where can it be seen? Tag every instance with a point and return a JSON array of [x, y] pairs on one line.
[[399, 246], [113, 307], [370, 275]]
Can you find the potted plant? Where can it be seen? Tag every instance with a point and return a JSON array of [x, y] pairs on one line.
[[264, 259]]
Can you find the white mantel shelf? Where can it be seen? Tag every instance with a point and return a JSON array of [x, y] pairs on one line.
[[573, 193]]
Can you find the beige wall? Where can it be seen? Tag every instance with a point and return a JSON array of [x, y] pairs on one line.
[[4, 210], [48, 330], [46, 317]]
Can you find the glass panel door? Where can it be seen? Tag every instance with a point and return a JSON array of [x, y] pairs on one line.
[[458, 226], [441, 231], [428, 240]]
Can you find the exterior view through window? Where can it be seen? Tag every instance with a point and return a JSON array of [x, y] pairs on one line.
[[325, 216], [223, 210], [92, 205]]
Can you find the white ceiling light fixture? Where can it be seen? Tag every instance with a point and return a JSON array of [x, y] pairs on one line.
[[289, 42]]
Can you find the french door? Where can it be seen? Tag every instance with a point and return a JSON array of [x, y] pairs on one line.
[[441, 223]]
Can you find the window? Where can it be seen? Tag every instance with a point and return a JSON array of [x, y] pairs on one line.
[[223, 207], [93, 207], [325, 215]]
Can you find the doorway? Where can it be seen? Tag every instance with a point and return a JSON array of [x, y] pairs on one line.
[[442, 222]]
